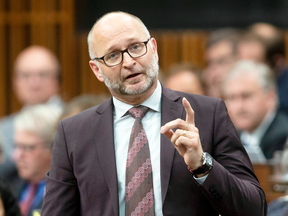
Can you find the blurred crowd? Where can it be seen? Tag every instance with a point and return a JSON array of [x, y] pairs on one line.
[[246, 68]]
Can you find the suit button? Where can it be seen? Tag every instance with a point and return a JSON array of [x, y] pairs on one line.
[[211, 189], [218, 196]]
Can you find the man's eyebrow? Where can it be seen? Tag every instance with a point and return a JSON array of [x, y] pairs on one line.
[[116, 47]]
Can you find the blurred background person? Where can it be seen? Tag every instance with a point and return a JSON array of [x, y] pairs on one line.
[[36, 80], [251, 98], [221, 54], [250, 46], [35, 129], [278, 207], [274, 40], [185, 77], [81, 103]]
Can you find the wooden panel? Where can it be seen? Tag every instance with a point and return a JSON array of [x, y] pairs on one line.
[[70, 81], [3, 76], [43, 28], [17, 43], [193, 44], [263, 173], [169, 49]]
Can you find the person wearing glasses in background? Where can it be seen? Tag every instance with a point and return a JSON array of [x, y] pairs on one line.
[[35, 129], [183, 158]]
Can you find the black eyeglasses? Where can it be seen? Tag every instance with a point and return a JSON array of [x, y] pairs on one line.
[[115, 58]]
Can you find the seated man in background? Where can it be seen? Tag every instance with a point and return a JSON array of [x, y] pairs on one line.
[[36, 80], [251, 47], [35, 129], [221, 54], [251, 98], [81, 103], [186, 78]]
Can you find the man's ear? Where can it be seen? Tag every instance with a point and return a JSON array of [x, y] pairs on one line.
[[154, 48], [96, 70]]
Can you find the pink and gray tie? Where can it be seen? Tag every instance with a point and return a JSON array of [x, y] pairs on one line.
[[139, 197]]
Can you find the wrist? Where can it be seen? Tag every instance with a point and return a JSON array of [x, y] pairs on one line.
[[205, 167]]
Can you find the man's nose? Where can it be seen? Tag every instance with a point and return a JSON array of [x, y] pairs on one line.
[[128, 61]]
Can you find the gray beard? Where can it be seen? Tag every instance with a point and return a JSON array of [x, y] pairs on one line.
[[151, 73]]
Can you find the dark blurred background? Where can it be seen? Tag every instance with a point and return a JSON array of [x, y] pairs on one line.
[[195, 14]]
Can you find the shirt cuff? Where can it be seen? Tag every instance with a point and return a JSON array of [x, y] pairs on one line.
[[201, 180]]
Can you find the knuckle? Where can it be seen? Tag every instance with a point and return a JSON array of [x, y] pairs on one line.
[[179, 121]]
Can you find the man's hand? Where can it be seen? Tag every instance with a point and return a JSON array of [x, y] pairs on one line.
[[186, 138]]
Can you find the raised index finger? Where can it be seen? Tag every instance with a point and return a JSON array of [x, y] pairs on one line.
[[189, 111]]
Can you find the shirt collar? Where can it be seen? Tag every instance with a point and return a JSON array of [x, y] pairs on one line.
[[259, 132], [153, 102]]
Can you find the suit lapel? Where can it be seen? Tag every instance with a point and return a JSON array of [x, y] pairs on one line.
[[170, 110], [104, 139]]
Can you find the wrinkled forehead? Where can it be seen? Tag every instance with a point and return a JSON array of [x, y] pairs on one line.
[[117, 31]]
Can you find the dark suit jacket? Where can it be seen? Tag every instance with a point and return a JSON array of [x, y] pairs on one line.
[[275, 137], [83, 179]]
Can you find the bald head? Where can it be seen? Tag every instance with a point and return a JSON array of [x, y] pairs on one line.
[[185, 81], [111, 25], [265, 30], [36, 75]]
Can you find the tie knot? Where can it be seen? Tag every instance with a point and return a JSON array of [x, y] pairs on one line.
[[138, 112]]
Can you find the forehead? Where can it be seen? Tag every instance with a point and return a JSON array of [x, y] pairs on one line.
[[116, 32], [35, 61], [244, 82], [26, 137], [220, 48]]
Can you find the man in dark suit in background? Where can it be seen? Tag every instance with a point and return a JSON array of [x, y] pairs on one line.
[[199, 166], [251, 98]]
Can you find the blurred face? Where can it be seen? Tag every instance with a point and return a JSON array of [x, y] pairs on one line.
[[35, 79], [220, 59], [252, 50], [246, 102], [185, 81], [134, 77], [31, 156]]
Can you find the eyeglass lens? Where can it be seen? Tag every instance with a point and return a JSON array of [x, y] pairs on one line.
[[135, 50]]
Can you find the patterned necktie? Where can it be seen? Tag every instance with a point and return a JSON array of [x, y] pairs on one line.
[[139, 197]]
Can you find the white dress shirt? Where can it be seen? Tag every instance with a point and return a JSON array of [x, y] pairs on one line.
[[123, 124], [122, 128], [251, 141]]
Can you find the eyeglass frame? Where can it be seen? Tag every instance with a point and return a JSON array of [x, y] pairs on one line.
[[27, 148], [123, 51]]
